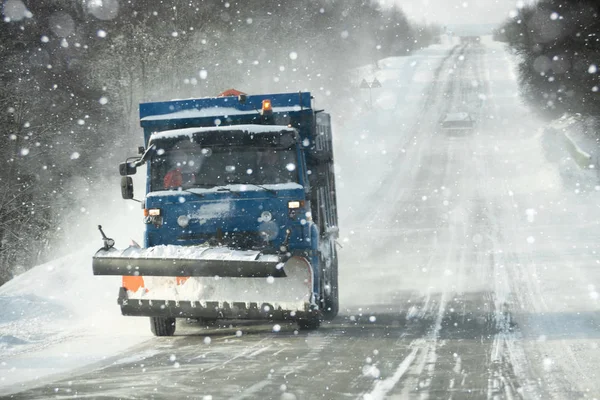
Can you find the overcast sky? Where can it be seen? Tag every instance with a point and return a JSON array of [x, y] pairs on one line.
[[457, 11]]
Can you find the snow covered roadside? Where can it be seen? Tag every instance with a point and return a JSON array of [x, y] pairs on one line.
[[579, 131], [57, 317], [572, 143]]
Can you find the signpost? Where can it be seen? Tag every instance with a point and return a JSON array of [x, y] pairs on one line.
[[370, 85]]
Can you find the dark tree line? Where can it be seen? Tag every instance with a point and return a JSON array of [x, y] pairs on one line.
[[74, 71], [558, 42]]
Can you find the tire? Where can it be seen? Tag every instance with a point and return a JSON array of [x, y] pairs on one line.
[[309, 324], [162, 326], [331, 304]]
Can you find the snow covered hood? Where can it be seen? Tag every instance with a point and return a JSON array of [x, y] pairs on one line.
[[233, 187]]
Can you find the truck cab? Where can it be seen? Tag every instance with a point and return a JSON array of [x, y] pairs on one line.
[[240, 213]]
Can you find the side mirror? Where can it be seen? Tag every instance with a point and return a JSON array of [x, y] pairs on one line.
[[127, 168], [127, 187]]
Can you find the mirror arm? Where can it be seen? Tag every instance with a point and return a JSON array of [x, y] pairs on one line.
[[138, 162], [142, 160]]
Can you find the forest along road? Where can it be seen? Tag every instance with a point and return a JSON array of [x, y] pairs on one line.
[[471, 273]]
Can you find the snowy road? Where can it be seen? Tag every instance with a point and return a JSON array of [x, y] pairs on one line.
[[470, 266]]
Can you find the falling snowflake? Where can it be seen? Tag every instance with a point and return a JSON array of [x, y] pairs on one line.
[[530, 240]]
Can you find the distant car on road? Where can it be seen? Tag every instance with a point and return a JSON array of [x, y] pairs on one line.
[[458, 122]]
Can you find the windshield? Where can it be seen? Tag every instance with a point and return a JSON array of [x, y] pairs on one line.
[[188, 165]]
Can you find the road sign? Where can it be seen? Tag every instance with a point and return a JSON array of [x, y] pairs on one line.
[[366, 85]]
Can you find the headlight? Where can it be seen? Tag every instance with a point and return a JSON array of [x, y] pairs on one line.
[[153, 216], [295, 204], [266, 216], [183, 221], [268, 230], [153, 212]]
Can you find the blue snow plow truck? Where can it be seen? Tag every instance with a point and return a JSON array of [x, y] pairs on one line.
[[240, 213]]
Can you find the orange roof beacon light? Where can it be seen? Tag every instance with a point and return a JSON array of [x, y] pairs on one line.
[[231, 92], [267, 108]]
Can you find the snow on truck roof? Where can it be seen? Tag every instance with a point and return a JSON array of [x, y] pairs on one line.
[[166, 112], [250, 129], [214, 112]]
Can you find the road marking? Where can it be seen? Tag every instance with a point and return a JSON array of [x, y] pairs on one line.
[[382, 387], [257, 352], [299, 364], [241, 354]]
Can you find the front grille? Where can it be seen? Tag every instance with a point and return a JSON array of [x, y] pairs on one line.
[[249, 240]]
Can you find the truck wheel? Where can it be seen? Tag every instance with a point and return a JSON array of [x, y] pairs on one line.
[[309, 324], [331, 303], [162, 326]]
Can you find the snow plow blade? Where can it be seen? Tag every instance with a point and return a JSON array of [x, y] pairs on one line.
[[210, 282], [187, 261]]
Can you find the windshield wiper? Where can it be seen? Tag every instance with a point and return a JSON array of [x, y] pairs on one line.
[[254, 184], [223, 188], [189, 191], [265, 188], [220, 187]]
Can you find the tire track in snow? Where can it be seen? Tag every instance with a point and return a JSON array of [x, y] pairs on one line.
[[455, 256], [506, 356], [412, 165], [299, 364], [425, 346], [432, 97], [428, 346]]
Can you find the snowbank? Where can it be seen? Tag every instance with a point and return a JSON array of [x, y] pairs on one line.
[[572, 143], [57, 317], [581, 139]]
